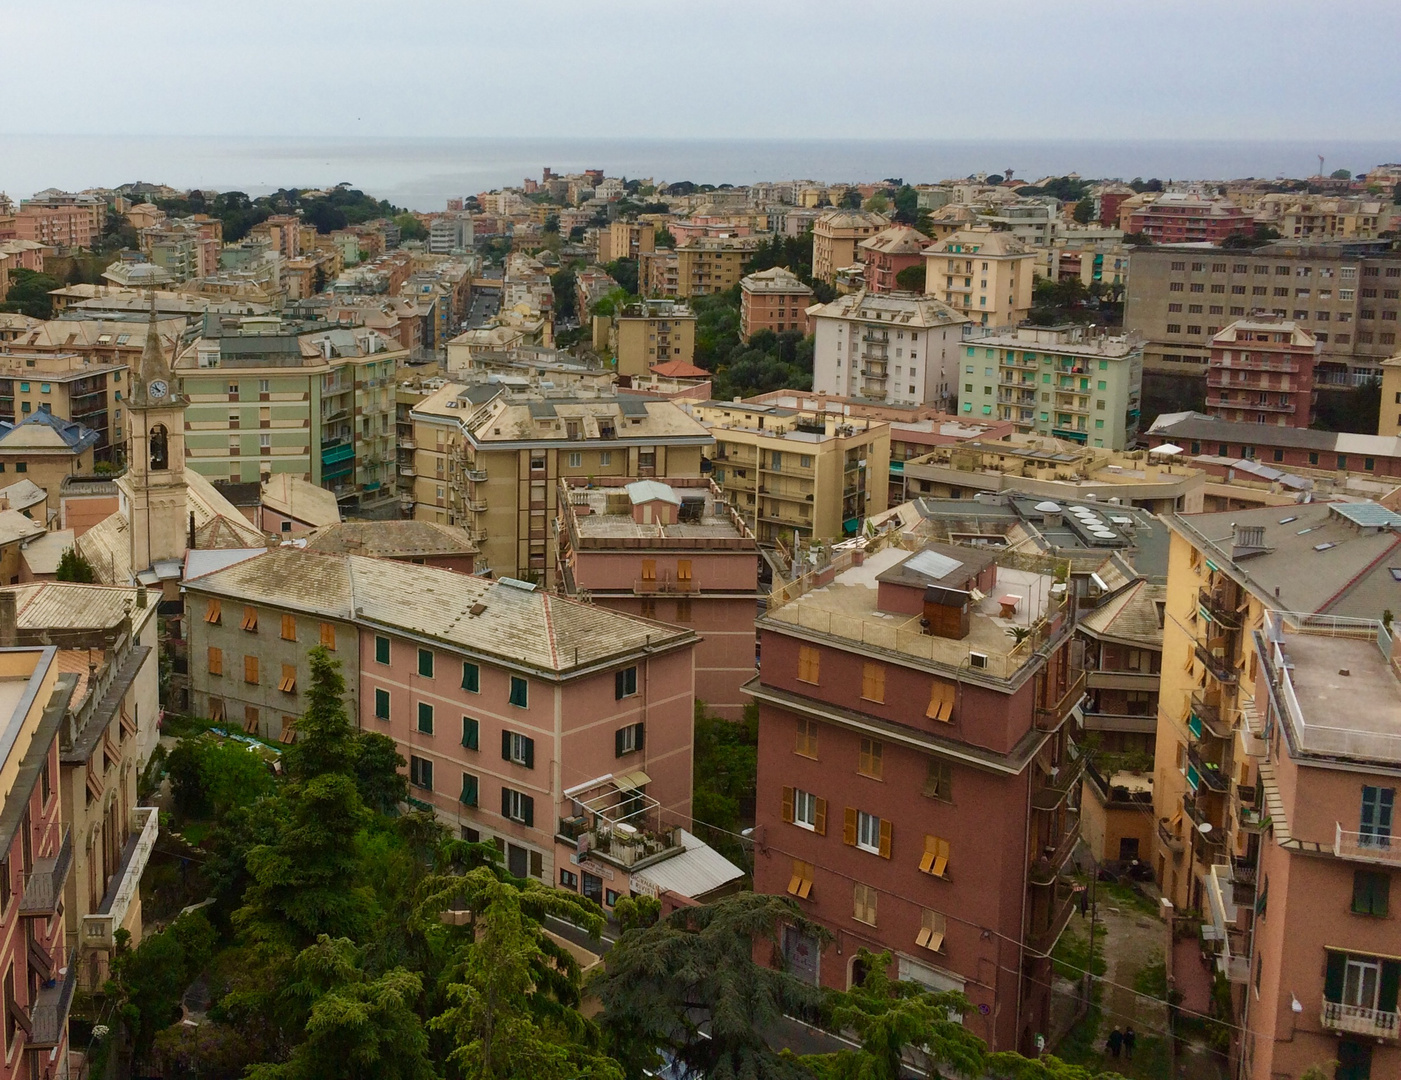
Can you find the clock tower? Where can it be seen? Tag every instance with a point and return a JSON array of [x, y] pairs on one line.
[[155, 478]]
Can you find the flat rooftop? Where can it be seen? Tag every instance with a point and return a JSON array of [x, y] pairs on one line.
[[597, 523], [1353, 715], [847, 607]]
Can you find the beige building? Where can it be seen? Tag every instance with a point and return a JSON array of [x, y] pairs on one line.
[[1056, 469], [490, 459], [651, 332], [44, 449], [836, 239], [982, 274], [1389, 423], [1348, 296], [712, 264], [797, 476], [626, 240]]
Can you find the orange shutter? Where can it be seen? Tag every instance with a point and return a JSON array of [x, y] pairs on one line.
[[289, 628], [250, 669], [788, 805], [849, 827], [819, 824], [885, 838], [328, 636]]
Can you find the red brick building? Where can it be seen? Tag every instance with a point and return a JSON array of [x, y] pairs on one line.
[[915, 781], [888, 252], [1261, 371], [1189, 219], [774, 300]]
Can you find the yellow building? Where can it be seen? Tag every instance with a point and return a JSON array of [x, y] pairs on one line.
[[1225, 570], [626, 240], [490, 459], [1390, 421], [836, 236], [796, 475], [652, 332], [984, 274], [712, 264]]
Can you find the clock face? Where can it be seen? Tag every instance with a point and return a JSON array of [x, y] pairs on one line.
[[158, 388]]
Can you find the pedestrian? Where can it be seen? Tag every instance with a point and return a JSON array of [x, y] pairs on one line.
[[1129, 1038], [1084, 901], [1114, 1042]]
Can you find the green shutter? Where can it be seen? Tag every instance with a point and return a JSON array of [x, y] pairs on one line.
[[1333, 976], [469, 790], [381, 650], [471, 733], [1194, 725], [471, 677], [1391, 977]]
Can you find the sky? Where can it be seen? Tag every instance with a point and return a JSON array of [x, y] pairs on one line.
[[1019, 69]]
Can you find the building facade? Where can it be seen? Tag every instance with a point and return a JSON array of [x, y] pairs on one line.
[[835, 236], [1066, 381], [889, 252], [1174, 218], [711, 264], [1261, 371], [916, 781], [892, 349], [652, 332], [773, 299], [984, 275]]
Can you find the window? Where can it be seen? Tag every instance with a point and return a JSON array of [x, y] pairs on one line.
[[873, 681], [868, 763], [806, 744], [381, 649], [250, 620], [938, 783], [605, 458], [470, 790], [425, 663], [569, 880], [250, 669], [328, 636], [935, 859], [625, 683], [629, 740], [471, 678], [1370, 892], [518, 749], [809, 663], [289, 628], [517, 806], [519, 695], [872, 833], [864, 904], [420, 772], [381, 703], [576, 460], [800, 884], [288, 683], [425, 718], [216, 661], [941, 699], [932, 928], [1377, 804]]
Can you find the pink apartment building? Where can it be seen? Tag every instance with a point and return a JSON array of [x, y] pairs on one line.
[[55, 226], [675, 552], [889, 252], [560, 731], [773, 299]]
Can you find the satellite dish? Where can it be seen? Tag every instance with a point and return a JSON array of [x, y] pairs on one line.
[[1204, 827]]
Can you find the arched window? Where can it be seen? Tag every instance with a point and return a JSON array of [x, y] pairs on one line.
[[160, 451]]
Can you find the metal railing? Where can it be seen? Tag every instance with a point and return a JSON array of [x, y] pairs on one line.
[[100, 928], [43, 886], [1372, 847], [1220, 668], [1215, 605], [665, 584], [48, 1015]]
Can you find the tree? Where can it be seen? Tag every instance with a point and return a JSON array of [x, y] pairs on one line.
[[877, 203], [563, 282], [624, 272], [663, 237], [996, 178], [378, 778], [551, 223], [906, 205], [318, 279], [324, 731], [209, 777], [72, 566], [1340, 174], [148, 982], [850, 199], [1356, 409], [694, 971], [29, 293], [911, 279], [410, 228], [1084, 211], [357, 1028]]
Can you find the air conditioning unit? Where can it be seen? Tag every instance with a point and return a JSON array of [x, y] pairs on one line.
[[977, 659]]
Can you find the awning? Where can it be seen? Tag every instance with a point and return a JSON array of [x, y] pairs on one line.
[[632, 781], [1166, 448]]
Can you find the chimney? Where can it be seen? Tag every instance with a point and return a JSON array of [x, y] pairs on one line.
[[192, 530], [9, 631], [141, 596]]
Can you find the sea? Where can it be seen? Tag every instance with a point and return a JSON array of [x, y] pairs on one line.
[[423, 173]]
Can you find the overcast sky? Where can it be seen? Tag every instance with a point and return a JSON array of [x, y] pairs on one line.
[[706, 68]]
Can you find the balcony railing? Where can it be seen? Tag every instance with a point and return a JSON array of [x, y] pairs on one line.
[[1209, 774], [1205, 717], [1042, 940], [1053, 792], [1221, 613], [48, 1016], [476, 476], [44, 886], [1170, 840], [1369, 847], [1050, 717], [1356, 1020], [100, 928], [1219, 667], [665, 584]]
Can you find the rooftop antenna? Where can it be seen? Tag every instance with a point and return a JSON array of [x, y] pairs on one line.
[[1320, 165]]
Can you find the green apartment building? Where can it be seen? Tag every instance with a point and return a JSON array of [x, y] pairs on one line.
[[272, 396], [1067, 381]]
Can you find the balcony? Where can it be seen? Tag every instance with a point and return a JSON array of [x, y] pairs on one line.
[[1206, 717], [1041, 940], [476, 476], [1170, 839], [664, 584], [1355, 1020], [407, 470], [1371, 847], [1221, 669], [1218, 610], [476, 506], [100, 928], [1054, 791], [1208, 773], [1049, 718], [1230, 944], [48, 1015], [43, 888]]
